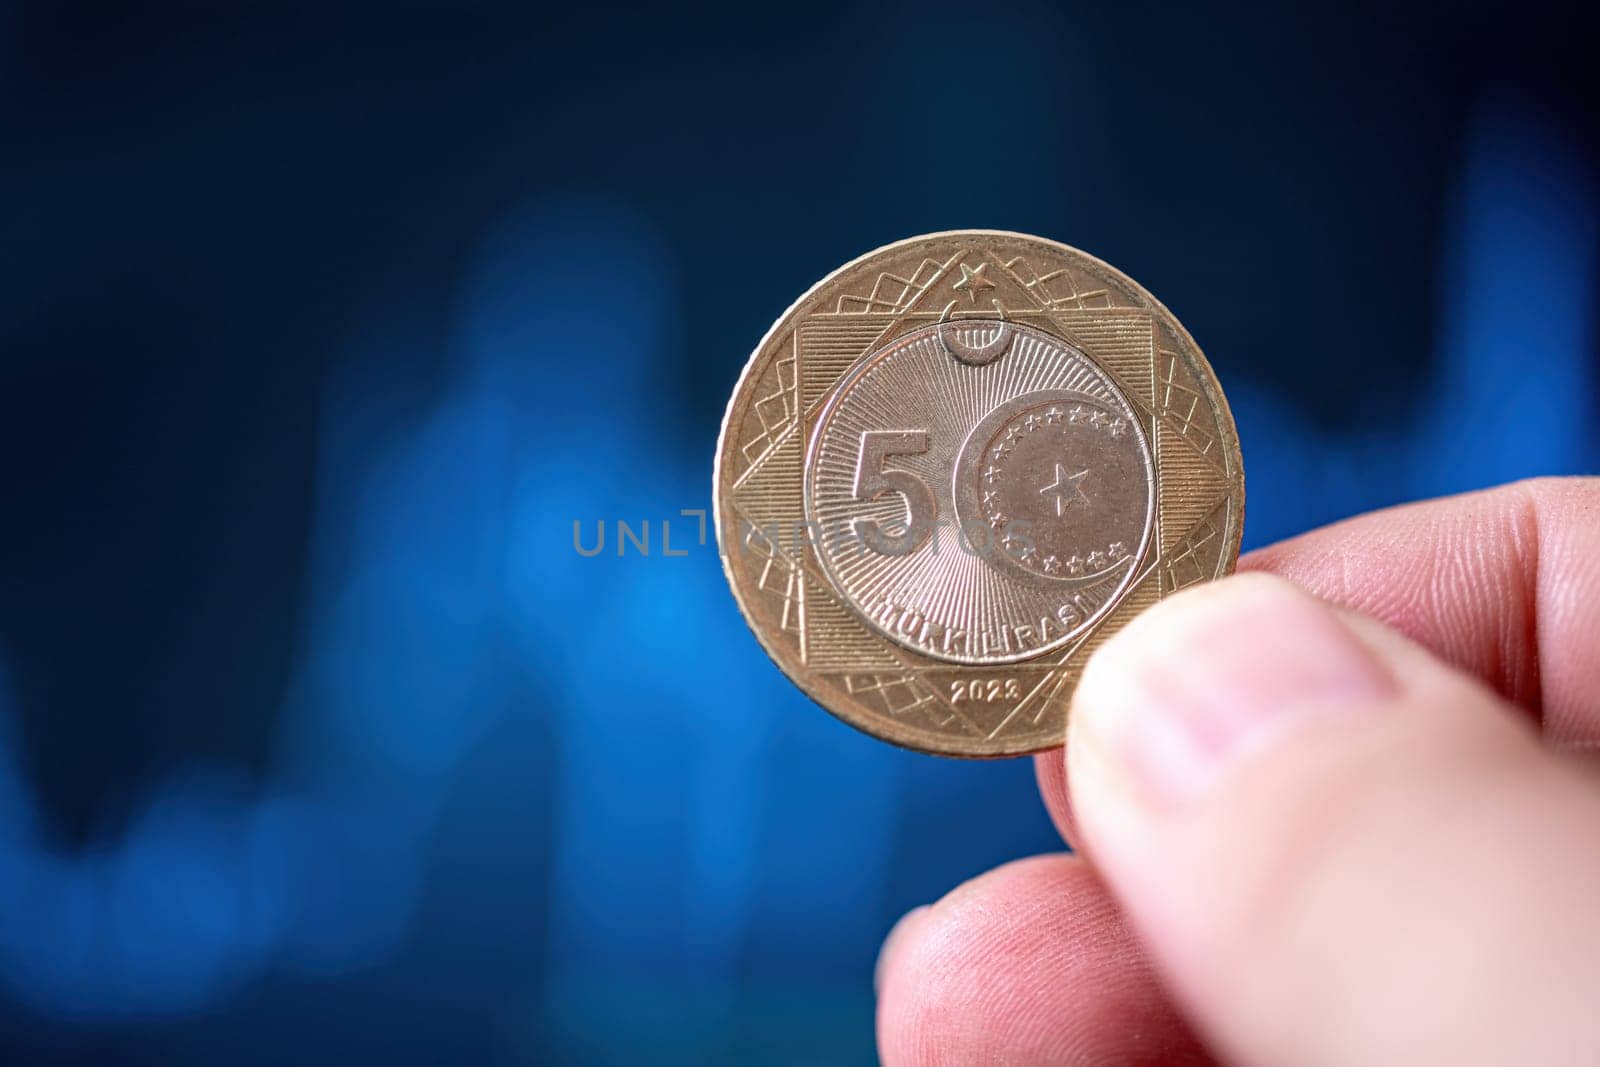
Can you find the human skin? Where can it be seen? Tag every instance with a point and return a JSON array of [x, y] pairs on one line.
[[1339, 809]]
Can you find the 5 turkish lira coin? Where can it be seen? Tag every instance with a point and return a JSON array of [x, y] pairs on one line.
[[953, 468]]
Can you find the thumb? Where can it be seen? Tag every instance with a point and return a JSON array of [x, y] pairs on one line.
[[1337, 849]]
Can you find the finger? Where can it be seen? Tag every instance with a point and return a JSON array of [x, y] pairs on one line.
[[1504, 584], [1050, 770], [1027, 964], [1336, 848]]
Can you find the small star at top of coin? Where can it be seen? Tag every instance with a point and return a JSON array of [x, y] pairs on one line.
[[972, 282]]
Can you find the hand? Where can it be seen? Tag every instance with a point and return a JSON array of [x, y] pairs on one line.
[[1336, 830]]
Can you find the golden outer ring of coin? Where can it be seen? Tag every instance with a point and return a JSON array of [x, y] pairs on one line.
[[871, 682]]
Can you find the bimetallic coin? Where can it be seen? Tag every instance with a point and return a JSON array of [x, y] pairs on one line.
[[953, 468]]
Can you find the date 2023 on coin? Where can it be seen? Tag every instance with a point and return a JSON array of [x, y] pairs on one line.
[[953, 468]]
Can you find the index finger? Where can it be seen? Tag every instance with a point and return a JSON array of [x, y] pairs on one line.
[[1503, 584]]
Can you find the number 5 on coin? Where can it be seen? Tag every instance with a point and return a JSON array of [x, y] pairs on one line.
[[872, 481]]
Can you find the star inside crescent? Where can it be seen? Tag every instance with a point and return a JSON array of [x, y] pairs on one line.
[[973, 282], [1067, 489]]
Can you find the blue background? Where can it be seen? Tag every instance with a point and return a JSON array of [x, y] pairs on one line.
[[321, 326]]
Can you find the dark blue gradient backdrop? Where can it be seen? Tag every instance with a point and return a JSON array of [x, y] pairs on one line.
[[321, 327]]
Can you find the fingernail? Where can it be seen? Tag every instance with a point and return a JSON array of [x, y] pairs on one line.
[[896, 933], [1200, 682]]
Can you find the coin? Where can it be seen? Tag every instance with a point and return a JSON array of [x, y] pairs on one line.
[[953, 468]]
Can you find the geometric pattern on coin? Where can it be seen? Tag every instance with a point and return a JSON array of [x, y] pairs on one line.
[[953, 468], [979, 513]]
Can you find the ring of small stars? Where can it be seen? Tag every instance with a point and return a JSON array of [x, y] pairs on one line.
[[1060, 414]]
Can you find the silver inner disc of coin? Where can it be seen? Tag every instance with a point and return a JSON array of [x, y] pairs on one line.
[[979, 491]]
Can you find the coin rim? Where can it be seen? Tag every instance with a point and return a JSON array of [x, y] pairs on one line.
[[887, 729]]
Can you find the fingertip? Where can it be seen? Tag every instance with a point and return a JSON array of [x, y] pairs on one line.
[[1203, 680], [1031, 963], [899, 933], [1050, 770]]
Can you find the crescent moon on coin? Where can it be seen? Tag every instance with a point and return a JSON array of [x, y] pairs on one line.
[[975, 355]]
